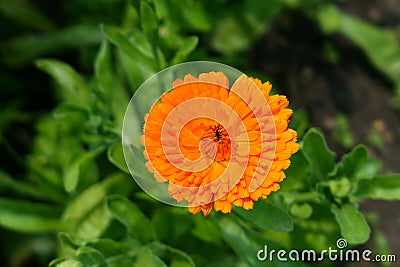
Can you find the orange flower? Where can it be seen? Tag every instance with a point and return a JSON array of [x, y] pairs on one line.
[[217, 146]]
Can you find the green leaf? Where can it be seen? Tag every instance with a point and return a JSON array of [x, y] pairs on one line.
[[25, 48], [175, 257], [186, 14], [86, 216], [353, 226], [205, 230], [149, 21], [352, 161], [267, 216], [65, 263], [115, 155], [372, 39], [25, 189], [187, 46], [71, 177], [66, 109], [131, 216], [111, 90], [90, 257], [386, 187], [68, 241], [230, 36], [170, 232], [315, 150], [356, 165], [125, 45], [145, 257], [329, 18], [102, 66], [134, 73], [296, 174], [194, 16], [26, 216], [110, 248], [300, 122], [75, 89], [246, 243]]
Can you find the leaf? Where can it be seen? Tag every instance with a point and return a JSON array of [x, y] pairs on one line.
[[90, 257], [230, 36], [115, 155], [329, 18], [236, 33], [131, 216], [68, 241], [175, 257], [300, 122], [321, 159], [351, 161], [149, 22], [125, 45], [296, 174], [110, 248], [187, 46], [26, 216], [356, 166], [71, 177], [94, 224], [186, 14], [372, 39], [66, 109], [205, 230], [102, 66], [111, 90], [386, 187], [353, 226], [145, 257], [247, 243], [86, 216], [267, 216], [194, 16], [25, 48], [25, 189], [65, 263], [74, 87], [135, 74]]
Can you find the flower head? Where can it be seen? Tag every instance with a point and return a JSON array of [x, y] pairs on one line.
[[217, 145]]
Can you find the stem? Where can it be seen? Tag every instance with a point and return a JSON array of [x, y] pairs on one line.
[[307, 196]]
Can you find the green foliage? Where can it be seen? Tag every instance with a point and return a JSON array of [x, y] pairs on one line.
[[77, 185], [268, 216], [320, 158], [353, 226], [369, 38]]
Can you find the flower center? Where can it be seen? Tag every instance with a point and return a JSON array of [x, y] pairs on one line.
[[216, 137]]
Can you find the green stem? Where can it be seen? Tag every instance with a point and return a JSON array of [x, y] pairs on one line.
[[312, 196]]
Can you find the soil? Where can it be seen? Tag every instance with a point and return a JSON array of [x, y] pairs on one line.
[[348, 85]]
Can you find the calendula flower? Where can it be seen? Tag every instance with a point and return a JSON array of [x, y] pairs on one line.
[[218, 146]]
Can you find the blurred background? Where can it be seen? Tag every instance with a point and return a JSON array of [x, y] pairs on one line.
[[337, 61]]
